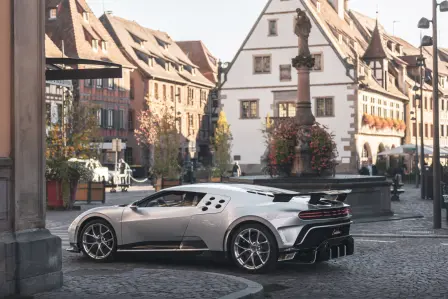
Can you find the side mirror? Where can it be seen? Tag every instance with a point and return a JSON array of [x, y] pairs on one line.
[[133, 208]]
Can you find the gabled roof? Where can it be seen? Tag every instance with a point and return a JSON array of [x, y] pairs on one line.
[[375, 50], [70, 28], [51, 50], [133, 38], [336, 28], [198, 53]]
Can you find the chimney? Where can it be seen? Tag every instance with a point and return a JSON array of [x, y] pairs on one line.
[[339, 6]]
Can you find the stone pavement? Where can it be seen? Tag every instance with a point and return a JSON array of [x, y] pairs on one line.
[[108, 282], [410, 204], [382, 267]]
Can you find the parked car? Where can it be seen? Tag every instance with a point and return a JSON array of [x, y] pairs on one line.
[[100, 173], [254, 226]]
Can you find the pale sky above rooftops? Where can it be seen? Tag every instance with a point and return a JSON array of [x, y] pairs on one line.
[[223, 24]]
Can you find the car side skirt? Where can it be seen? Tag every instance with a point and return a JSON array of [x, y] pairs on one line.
[[185, 245]]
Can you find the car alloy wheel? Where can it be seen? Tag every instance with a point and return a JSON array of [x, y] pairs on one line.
[[254, 249], [98, 240]]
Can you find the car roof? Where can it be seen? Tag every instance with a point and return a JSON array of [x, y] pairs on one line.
[[223, 187]]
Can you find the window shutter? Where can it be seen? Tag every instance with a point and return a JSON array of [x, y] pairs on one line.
[[116, 119], [120, 119], [103, 119]]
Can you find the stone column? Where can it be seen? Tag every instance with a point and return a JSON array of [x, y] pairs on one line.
[[304, 116], [30, 257]]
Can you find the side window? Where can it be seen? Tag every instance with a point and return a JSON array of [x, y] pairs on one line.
[[173, 199]]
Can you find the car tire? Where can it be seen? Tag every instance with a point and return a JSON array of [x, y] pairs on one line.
[[98, 241], [258, 256]]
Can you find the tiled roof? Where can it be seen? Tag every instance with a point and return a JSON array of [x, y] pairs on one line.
[[198, 53], [133, 38], [71, 29], [375, 50], [51, 50], [338, 28], [372, 84]]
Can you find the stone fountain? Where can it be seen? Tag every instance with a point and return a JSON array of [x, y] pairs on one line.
[[370, 195]]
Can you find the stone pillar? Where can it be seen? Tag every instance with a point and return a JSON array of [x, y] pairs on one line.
[[304, 116], [30, 257]]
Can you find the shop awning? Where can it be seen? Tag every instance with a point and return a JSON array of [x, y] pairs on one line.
[[55, 72]]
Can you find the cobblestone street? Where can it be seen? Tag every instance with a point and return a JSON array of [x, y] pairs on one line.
[[397, 267]]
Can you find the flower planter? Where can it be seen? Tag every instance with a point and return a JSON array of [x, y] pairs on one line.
[[167, 183], [215, 180], [54, 195]]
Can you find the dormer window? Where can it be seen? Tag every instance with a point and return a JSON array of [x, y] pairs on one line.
[[151, 61], [104, 46], [168, 66], [212, 60], [193, 71], [95, 45], [162, 44], [52, 14], [85, 16], [181, 68], [318, 6]]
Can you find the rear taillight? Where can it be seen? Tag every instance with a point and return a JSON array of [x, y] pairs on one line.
[[323, 214]]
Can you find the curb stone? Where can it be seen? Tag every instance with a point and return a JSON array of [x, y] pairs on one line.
[[432, 236], [253, 291]]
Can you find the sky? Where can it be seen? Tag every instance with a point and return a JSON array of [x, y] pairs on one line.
[[223, 24]]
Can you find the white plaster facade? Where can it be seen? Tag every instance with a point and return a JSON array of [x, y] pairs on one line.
[[373, 138], [242, 84]]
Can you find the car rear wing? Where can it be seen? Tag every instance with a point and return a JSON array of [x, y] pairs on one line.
[[315, 197]]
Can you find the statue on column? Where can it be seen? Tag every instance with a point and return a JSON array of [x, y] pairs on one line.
[[302, 30], [303, 62]]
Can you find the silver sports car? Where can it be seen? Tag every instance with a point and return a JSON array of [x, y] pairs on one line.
[[254, 226]]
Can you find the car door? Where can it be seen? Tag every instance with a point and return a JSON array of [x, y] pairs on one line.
[[158, 222]]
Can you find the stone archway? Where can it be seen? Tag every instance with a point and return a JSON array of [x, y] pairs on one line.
[[366, 152], [381, 161]]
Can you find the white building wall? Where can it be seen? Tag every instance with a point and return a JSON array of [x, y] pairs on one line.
[[243, 84]]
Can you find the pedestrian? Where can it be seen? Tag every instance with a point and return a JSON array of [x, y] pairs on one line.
[[368, 168], [236, 171], [122, 169]]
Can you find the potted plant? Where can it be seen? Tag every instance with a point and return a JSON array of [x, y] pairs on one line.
[[368, 119], [73, 136], [215, 175], [62, 178], [282, 141], [157, 129], [378, 123], [396, 124]]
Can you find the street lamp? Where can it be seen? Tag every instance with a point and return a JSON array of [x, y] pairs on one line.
[[415, 88], [422, 66], [426, 41]]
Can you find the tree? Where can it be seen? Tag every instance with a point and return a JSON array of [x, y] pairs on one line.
[[76, 135], [157, 130], [222, 144], [166, 147]]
